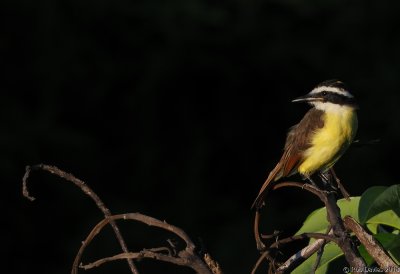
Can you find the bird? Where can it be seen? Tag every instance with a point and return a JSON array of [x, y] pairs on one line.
[[317, 142]]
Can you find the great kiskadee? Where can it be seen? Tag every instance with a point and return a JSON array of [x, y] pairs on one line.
[[321, 137]]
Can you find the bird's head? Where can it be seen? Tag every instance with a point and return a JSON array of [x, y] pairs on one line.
[[331, 93]]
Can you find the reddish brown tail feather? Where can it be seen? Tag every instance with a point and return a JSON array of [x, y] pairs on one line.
[[272, 177], [284, 168]]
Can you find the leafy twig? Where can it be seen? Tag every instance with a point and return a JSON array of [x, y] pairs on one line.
[[339, 234]]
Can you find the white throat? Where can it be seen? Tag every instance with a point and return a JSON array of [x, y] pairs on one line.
[[331, 107]]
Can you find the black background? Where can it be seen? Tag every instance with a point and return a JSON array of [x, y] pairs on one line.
[[178, 109]]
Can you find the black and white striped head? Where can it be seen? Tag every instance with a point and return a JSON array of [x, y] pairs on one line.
[[328, 94]]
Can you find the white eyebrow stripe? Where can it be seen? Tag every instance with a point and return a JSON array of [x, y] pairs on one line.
[[332, 89]]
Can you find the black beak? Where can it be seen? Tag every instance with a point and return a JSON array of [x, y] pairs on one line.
[[307, 98]]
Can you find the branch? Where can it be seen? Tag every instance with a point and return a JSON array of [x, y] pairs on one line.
[[345, 243], [186, 257], [154, 254], [298, 258], [372, 246], [213, 265], [149, 254], [302, 236], [88, 191], [310, 188], [320, 252], [260, 245]]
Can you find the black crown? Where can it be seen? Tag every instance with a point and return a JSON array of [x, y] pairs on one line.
[[333, 83]]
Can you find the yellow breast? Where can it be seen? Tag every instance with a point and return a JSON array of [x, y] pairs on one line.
[[329, 142]]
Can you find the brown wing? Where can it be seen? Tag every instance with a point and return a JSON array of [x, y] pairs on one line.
[[297, 141]]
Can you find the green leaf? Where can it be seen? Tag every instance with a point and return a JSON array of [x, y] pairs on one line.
[[317, 220], [379, 199], [322, 269], [363, 252], [373, 228], [395, 254], [390, 243], [331, 252], [387, 217]]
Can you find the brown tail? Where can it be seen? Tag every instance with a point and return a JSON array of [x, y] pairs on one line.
[[272, 177]]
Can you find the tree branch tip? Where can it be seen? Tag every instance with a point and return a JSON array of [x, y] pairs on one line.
[[30, 198], [275, 234], [212, 265], [25, 191]]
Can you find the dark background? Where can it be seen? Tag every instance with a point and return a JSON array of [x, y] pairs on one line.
[[178, 109]]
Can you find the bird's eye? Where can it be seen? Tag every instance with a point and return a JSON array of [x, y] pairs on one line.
[[324, 93]]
